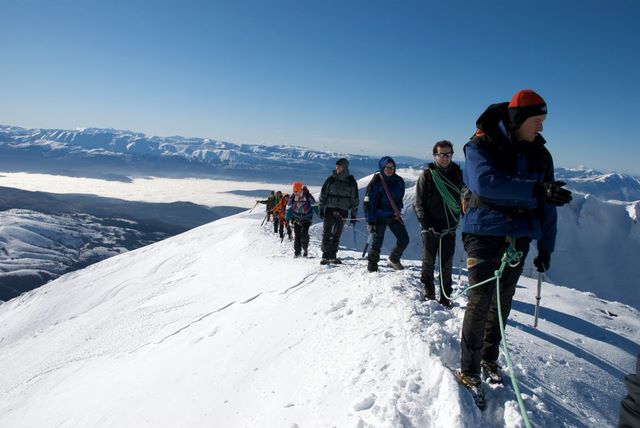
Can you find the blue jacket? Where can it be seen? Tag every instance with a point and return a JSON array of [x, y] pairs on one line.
[[503, 173], [378, 205]]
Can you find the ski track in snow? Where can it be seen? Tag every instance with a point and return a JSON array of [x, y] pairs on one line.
[[222, 324]]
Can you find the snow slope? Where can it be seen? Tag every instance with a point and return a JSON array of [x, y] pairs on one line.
[[220, 326], [37, 247]]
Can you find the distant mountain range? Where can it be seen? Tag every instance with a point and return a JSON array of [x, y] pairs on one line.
[[112, 154], [116, 155]]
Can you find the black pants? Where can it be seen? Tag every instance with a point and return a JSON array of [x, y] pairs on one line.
[[275, 223], [480, 327], [331, 231], [283, 223], [430, 245], [400, 232], [301, 235]]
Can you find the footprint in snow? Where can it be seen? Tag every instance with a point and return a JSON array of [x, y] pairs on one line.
[[365, 404]]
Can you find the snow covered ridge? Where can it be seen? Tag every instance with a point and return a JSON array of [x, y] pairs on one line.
[[611, 186], [191, 155], [183, 333]]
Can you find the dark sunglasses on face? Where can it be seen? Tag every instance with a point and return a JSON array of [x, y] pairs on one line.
[[444, 155], [389, 168]]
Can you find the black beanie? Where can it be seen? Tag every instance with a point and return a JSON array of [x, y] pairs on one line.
[[343, 163], [524, 104]]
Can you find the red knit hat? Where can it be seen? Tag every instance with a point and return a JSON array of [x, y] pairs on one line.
[[524, 104], [297, 186]]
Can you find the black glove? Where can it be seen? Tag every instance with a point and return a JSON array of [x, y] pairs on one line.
[[353, 220], [321, 214], [552, 192], [542, 260]]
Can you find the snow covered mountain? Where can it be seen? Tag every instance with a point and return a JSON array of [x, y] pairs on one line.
[[115, 154], [610, 186], [220, 326], [44, 235], [38, 247]]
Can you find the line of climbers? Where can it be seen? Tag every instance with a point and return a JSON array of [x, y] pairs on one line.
[[509, 198]]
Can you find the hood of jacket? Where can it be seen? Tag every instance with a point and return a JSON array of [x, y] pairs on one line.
[[384, 161], [494, 134]]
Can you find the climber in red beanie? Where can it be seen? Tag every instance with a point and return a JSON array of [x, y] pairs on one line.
[[511, 199]]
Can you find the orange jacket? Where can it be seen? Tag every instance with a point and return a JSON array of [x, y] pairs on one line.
[[281, 208]]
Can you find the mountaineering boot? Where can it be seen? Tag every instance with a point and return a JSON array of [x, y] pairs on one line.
[[491, 371], [473, 384], [445, 302], [335, 261], [324, 261], [297, 254], [305, 253], [372, 266], [429, 292], [395, 264]]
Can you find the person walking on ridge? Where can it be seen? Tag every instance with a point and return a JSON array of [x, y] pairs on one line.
[[437, 206], [338, 196], [300, 210], [512, 200], [383, 206]]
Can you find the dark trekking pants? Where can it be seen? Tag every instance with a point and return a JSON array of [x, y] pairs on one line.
[[301, 235], [430, 245], [480, 327], [275, 223], [331, 231], [400, 232], [283, 224]]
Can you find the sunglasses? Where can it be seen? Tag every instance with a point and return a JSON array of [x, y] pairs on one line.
[[444, 155], [389, 168]]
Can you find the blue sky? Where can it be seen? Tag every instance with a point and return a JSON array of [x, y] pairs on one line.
[[367, 77]]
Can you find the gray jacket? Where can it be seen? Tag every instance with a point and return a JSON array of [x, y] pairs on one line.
[[340, 191]]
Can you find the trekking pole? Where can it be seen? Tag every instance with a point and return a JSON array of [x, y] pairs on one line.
[[355, 241], [264, 219], [253, 207], [535, 316], [369, 242]]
